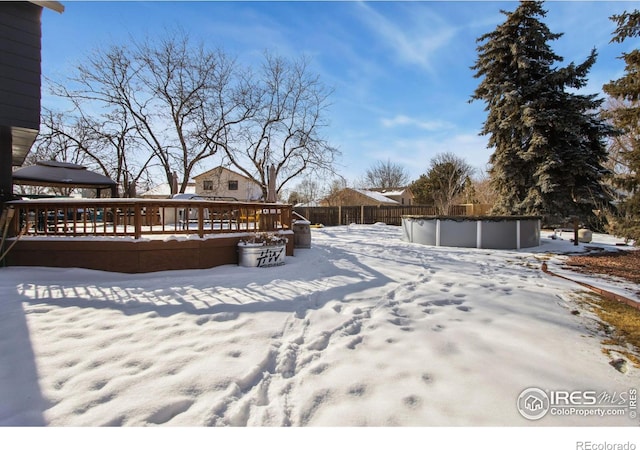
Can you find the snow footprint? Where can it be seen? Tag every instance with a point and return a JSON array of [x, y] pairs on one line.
[[400, 321], [412, 401], [352, 327], [99, 384], [170, 411], [317, 370], [311, 407], [322, 342], [286, 361], [354, 343], [427, 378], [224, 316], [357, 390], [202, 320]]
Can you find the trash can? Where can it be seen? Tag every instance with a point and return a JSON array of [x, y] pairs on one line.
[[302, 234]]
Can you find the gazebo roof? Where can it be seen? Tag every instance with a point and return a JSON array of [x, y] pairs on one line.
[[62, 174]]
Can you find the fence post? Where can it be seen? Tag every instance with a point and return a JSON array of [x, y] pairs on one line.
[[339, 214]]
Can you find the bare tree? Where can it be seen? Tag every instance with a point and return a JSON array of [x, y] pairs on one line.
[[177, 104], [103, 143], [386, 175], [483, 190], [443, 182], [333, 190], [308, 190], [163, 92], [620, 144], [284, 128]]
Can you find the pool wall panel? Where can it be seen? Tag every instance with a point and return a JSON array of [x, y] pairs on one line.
[[503, 233], [458, 233]]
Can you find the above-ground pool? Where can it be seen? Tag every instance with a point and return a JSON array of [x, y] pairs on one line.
[[498, 232]]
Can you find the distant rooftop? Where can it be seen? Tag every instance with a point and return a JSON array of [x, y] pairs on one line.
[[377, 196], [164, 190]]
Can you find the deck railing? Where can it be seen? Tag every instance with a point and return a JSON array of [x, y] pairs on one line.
[[139, 217]]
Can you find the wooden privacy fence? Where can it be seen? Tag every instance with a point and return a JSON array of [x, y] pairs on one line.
[[344, 215], [391, 215]]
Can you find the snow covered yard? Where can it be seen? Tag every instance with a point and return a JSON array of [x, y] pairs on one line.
[[361, 329]]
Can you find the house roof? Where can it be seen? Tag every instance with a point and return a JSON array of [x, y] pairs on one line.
[[221, 169], [377, 196], [311, 204], [393, 192]]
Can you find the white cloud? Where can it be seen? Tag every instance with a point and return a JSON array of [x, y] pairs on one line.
[[415, 38], [402, 120]]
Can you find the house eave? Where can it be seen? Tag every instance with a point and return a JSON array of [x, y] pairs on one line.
[[54, 6]]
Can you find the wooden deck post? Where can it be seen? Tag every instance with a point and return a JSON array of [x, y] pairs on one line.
[[200, 221], [137, 220]]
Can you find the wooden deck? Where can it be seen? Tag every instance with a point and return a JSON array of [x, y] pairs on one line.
[[138, 235]]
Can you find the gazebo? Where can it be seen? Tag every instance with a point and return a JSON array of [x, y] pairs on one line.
[[63, 174]]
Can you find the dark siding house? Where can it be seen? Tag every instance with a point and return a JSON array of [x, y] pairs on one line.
[[20, 73]]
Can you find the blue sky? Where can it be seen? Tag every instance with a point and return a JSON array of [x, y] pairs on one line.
[[400, 70]]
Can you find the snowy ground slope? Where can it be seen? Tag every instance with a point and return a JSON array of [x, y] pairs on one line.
[[361, 329]]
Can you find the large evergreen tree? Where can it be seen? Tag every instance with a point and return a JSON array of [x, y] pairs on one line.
[[549, 143], [626, 117]]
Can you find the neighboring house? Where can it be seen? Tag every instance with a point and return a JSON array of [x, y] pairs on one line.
[[164, 190], [404, 196], [224, 183], [358, 197]]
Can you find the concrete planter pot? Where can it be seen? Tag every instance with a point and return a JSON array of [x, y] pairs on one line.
[[260, 255]]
